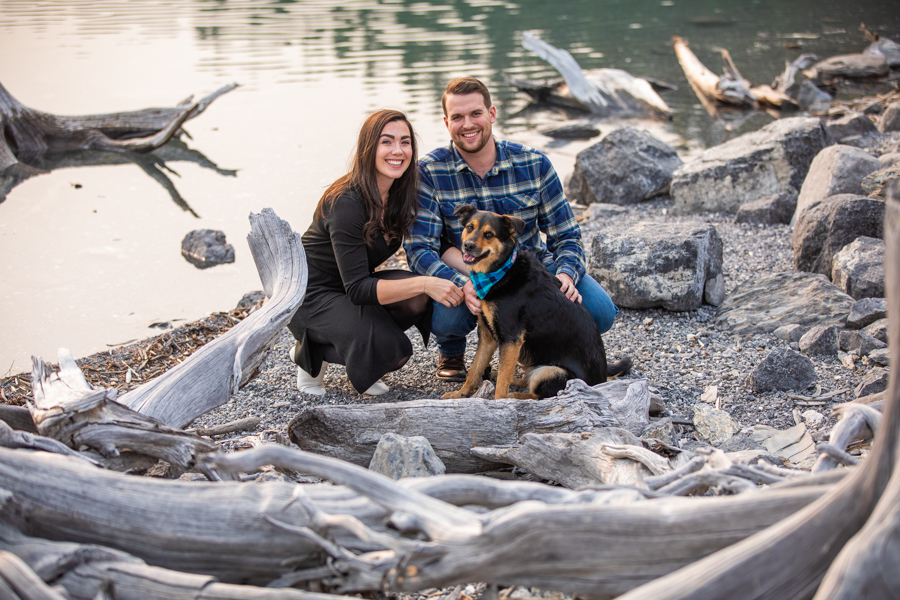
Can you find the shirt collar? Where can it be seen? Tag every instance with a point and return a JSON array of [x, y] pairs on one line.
[[501, 164]]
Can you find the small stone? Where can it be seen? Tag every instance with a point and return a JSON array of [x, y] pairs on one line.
[[875, 381], [398, 456], [206, 248], [648, 321], [813, 419], [859, 342], [821, 339], [877, 330], [866, 311], [790, 333], [714, 425], [710, 394], [782, 370], [880, 357]]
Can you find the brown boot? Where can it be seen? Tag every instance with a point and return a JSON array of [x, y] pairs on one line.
[[451, 368]]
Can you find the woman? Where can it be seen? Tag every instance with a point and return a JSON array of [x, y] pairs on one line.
[[352, 315]]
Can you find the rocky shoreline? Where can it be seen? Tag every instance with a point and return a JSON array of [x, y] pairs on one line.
[[682, 354]]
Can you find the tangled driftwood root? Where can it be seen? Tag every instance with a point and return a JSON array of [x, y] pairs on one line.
[[125, 368]]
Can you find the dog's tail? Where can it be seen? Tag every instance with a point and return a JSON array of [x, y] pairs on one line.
[[547, 381], [619, 367]]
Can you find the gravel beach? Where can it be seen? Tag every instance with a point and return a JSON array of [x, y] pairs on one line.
[[680, 353]]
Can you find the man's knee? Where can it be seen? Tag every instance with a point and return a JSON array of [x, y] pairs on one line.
[[452, 321], [598, 303]]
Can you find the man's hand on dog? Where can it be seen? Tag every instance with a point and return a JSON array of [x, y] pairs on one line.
[[443, 291], [472, 300], [567, 287]]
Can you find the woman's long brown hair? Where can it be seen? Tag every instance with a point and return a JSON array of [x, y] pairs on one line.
[[395, 222]]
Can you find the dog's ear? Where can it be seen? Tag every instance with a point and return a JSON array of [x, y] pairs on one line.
[[515, 224], [465, 211]]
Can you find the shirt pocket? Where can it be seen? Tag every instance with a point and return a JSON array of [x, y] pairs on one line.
[[524, 206]]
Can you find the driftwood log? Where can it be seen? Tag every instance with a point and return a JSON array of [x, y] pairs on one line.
[[209, 377], [454, 427], [28, 133]]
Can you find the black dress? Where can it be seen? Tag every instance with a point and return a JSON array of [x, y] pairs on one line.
[[341, 302]]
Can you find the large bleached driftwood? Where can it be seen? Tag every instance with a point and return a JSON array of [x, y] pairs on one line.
[[454, 427], [211, 375], [68, 409], [26, 132], [606, 92]]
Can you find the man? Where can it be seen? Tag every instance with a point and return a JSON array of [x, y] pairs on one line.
[[503, 177]]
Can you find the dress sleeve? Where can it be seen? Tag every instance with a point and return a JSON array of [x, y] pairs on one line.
[[344, 223]]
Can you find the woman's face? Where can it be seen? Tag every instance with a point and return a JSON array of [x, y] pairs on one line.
[[393, 154]]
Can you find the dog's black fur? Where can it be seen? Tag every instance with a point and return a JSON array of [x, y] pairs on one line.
[[527, 317]]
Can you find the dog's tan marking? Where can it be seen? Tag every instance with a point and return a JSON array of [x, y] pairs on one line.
[[486, 347], [509, 357]]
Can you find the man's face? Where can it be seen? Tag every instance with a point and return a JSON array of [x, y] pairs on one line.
[[469, 121]]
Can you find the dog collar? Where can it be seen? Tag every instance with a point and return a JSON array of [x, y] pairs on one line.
[[483, 282]]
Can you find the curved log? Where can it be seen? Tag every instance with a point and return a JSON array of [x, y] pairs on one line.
[[211, 375], [27, 132]]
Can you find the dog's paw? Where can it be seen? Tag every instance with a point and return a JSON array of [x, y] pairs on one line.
[[453, 395]]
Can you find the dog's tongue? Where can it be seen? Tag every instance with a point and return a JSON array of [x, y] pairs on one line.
[[468, 258]]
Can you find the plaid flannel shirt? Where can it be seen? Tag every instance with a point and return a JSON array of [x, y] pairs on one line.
[[522, 183]]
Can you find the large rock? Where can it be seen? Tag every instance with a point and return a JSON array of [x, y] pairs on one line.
[[858, 268], [625, 167], [890, 120], [771, 160], [782, 370], [763, 305], [835, 170], [874, 382], [771, 210], [822, 230], [859, 342], [206, 248], [647, 266]]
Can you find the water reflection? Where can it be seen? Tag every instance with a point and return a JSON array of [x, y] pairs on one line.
[[104, 260]]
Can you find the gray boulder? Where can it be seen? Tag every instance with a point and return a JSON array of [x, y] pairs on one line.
[[782, 370], [866, 311], [889, 159], [859, 342], [205, 248], [771, 160], [771, 210], [887, 48], [821, 339], [874, 382], [647, 266], [890, 119], [852, 124], [825, 228], [399, 456], [877, 330], [858, 268], [764, 304], [625, 167], [835, 170]]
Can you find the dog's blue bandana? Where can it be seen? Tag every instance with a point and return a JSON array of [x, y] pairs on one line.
[[483, 282]]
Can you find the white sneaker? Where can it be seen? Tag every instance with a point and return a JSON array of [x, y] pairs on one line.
[[307, 384], [376, 389]]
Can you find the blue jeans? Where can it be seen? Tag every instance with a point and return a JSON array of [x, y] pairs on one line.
[[451, 325]]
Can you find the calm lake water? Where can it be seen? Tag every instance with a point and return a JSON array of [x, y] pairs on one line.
[[91, 254]]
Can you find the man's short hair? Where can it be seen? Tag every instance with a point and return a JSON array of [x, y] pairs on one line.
[[465, 85]]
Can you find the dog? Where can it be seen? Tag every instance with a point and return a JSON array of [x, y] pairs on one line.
[[526, 316]]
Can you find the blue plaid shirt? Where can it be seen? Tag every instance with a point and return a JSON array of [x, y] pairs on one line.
[[522, 183]]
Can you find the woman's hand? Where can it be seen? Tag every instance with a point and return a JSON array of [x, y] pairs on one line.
[[443, 291]]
